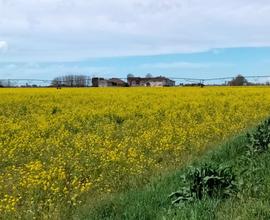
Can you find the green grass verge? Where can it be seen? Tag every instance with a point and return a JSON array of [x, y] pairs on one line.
[[151, 202]]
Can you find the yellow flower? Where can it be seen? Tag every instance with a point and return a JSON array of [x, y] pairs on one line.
[[104, 140]]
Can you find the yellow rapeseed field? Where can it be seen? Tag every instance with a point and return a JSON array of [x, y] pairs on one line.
[[58, 146]]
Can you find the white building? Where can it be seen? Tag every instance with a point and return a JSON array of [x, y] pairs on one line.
[[150, 81]]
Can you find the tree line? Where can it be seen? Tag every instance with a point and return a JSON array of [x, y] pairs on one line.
[[71, 81]]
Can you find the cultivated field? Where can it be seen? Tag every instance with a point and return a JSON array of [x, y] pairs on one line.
[[58, 146]]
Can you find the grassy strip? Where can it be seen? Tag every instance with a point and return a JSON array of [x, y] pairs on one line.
[[152, 202]]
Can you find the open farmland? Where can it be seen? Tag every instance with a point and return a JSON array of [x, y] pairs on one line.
[[58, 145]]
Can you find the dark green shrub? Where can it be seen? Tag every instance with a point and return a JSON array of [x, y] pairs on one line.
[[206, 181], [259, 141], [212, 181]]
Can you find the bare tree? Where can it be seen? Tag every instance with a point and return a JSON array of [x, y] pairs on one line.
[[71, 81]]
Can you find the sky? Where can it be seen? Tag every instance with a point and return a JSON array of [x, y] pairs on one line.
[[42, 39]]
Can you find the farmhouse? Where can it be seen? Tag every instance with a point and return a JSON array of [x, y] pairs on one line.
[[113, 82], [150, 81]]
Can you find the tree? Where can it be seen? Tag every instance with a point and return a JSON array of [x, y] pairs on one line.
[[130, 75], [71, 81], [239, 80], [148, 75]]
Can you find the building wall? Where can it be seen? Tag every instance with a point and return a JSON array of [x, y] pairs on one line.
[[170, 83], [148, 83], [99, 82], [102, 83], [156, 84]]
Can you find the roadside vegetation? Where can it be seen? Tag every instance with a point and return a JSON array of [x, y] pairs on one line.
[[229, 182]]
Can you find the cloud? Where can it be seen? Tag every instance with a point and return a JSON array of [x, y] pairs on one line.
[[3, 46], [32, 70], [77, 29]]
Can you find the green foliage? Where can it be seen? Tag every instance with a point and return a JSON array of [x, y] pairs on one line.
[[150, 202], [183, 195], [239, 80], [213, 181], [251, 202], [259, 141], [207, 181]]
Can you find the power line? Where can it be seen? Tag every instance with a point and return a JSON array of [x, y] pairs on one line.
[[88, 80]]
